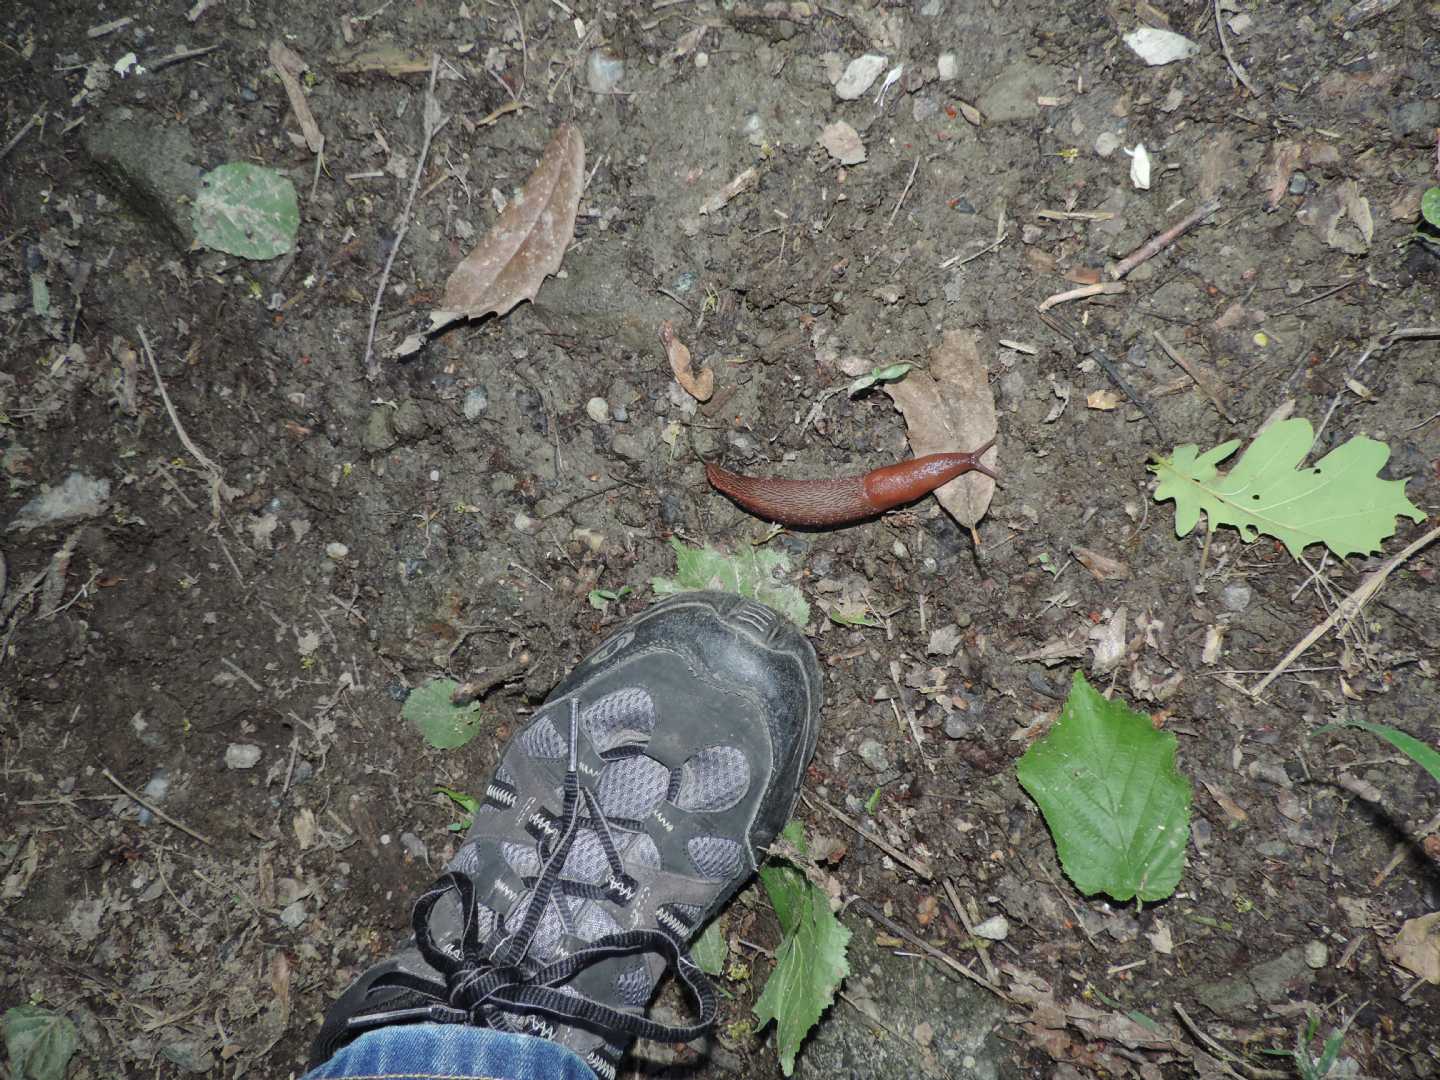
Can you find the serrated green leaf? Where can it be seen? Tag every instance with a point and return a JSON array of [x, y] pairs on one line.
[[1115, 803], [444, 724], [1430, 206], [1339, 501], [811, 961], [1424, 756], [710, 950], [40, 1042], [246, 210], [758, 573]]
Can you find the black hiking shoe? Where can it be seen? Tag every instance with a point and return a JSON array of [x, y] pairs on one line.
[[620, 819]]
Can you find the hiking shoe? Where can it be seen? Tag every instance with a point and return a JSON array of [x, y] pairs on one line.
[[619, 820]]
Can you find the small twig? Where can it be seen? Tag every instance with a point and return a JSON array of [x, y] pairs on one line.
[[1159, 243], [1348, 609], [1318, 296], [1379, 345], [218, 487], [1100, 288], [870, 911], [434, 121], [1200, 381], [161, 814], [1224, 1056], [990, 972], [901, 201], [884, 845], [15, 141], [1237, 68], [1064, 328], [179, 55]]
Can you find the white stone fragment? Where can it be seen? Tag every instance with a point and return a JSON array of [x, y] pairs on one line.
[[859, 76]]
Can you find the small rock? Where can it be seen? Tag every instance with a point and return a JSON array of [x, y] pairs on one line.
[[79, 497], [859, 76], [477, 400], [1317, 954], [1236, 596], [843, 143], [603, 71], [379, 430], [410, 420], [628, 446], [336, 550], [525, 523], [874, 755], [995, 928], [294, 915], [242, 756], [413, 845], [591, 538], [949, 67], [1299, 183], [598, 409], [958, 726]]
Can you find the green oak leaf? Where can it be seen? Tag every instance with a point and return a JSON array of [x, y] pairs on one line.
[[1339, 501], [1115, 803]]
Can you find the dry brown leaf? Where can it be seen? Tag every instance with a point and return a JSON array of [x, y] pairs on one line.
[[1102, 566], [698, 384], [843, 143], [951, 408], [1417, 947], [526, 244], [1284, 158], [1233, 810], [386, 57], [290, 67]]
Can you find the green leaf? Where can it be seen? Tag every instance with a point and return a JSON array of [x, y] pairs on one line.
[[1340, 501], [1424, 756], [1430, 206], [811, 961], [601, 598], [246, 210], [444, 724], [710, 950], [1117, 807], [40, 1042], [889, 373], [757, 573]]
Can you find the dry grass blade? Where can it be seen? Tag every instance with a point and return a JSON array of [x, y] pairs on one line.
[[526, 245]]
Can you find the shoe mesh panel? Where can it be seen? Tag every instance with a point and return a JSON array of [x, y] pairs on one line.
[[714, 779], [716, 858], [541, 740], [626, 716], [641, 852], [632, 787], [586, 861], [523, 858], [595, 922], [633, 987]]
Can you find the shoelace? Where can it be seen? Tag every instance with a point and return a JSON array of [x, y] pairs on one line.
[[485, 979]]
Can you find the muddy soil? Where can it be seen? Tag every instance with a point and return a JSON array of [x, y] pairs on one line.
[[226, 621]]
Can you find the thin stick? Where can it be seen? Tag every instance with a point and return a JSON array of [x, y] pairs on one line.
[[969, 929], [1235, 66], [870, 911], [1223, 1056], [14, 142], [1202, 383], [218, 487], [434, 121], [161, 814], [890, 849], [1348, 609], [1101, 288], [1159, 243], [1379, 345], [901, 201]]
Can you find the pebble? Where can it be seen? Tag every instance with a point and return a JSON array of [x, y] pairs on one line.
[[477, 400], [603, 71], [958, 726], [628, 446], [413, 845], [1106, 143], [995, 928], [294, 915], [949, 67], [598, 409], [1236, 596], [1299, 183], [874, 755], [242, 756], [336, 550], [859, 76], [525, 523], [1317, 954]]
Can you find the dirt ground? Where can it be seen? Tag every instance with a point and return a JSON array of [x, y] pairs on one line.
[[456, 514]]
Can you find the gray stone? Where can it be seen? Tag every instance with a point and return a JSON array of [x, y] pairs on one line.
[[477, 400], [628, 446], [947, 1024], [410, 422], [873, 754], [1013, 95], [1414, 120], [153, 169], [1236, 596], [379, 430]]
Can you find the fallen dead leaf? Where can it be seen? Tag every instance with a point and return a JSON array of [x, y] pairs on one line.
[[526, 243], [698, 384], [951, 408], [1232, 809], [843, 143], [1416, 947], [1107, 642], [1102, 400], [1102, 566], [290, 67], [1284, 159]]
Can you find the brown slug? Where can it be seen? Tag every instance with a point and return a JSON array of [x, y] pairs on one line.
[[819, 503]]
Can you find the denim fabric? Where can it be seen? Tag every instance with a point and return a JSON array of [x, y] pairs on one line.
[[450, 1052]]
